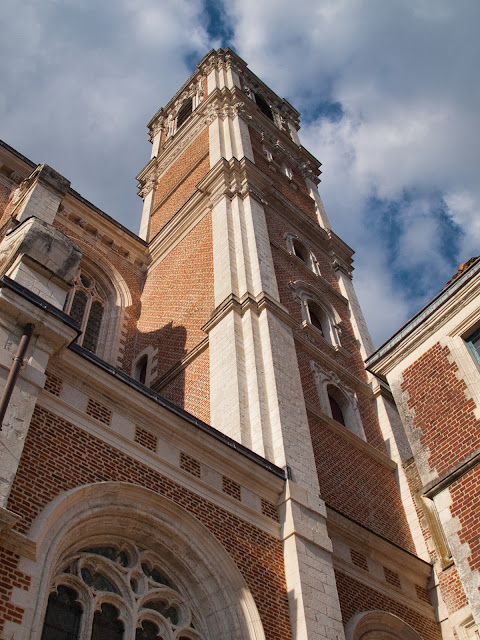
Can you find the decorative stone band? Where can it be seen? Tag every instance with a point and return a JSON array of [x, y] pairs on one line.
[[246, 302]]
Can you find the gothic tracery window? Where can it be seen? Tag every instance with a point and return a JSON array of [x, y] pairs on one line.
[[86, 305], [117, 593]]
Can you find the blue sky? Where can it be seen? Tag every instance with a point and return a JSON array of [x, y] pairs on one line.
[[388, 92]]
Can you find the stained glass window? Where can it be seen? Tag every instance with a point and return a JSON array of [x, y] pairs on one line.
[[62, 619], [118, 582], [86, 305]]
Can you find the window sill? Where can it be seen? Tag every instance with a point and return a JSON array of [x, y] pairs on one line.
[[317, 335]]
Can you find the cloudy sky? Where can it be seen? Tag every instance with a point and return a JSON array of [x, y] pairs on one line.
[[388, 90]]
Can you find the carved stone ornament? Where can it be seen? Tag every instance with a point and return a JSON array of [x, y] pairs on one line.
[[157, 126]]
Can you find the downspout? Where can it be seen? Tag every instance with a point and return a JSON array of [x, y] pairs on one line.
[[15, 370]]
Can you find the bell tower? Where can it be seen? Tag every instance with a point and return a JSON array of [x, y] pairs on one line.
[[251, 322]]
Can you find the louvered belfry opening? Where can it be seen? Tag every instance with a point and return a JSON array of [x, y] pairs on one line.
[[184, 112]]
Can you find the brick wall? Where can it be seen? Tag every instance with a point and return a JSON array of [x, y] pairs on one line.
[[179, 182], [296, 189], [443, 412], [356, 597], [177, 301], [190, 389], [466, 506], [10, 577], [358, 486], [58, 456]]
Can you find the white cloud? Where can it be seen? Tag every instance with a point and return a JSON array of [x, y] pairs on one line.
[[405, 75], [81, 79]]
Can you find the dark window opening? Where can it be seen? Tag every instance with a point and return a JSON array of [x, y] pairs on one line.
[[148, 631], [106, 625], [264, 106], [315, 320], [184, 112], [300, 251], [141, 369], [337, 413], [62, 619]]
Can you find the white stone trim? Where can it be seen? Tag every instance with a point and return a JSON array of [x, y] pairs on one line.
[[92, 514], [311, 262], [371, 625], [322, 217], [330, 318], [346, 398]]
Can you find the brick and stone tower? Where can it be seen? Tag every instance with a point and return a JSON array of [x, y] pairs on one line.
[[190, 446], [249, 321]]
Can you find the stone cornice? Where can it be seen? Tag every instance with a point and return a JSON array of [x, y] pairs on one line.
[[441, 483], [426, 322], [376, 545], [81, 219], [332, 365], [148, 408], [248, 302], [351, 437]]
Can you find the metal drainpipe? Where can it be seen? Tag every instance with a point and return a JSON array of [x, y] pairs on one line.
[[15, 370]]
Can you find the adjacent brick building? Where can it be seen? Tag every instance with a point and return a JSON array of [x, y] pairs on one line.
[[432, 365], [193, 448]]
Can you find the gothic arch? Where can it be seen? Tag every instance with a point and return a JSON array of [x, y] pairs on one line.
[[330, 386], [117, 299], [205, 573], [379, 625], [310, 299], [298, 248]]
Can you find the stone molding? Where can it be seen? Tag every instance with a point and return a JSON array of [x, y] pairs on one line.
[[352, 438], [91, 514], [245, 303], [427, 322], [369, 625], [333, 365]]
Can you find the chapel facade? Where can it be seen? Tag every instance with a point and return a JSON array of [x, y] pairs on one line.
[[191, 447]]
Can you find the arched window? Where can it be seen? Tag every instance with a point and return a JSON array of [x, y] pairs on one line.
[[317, 317], [86, 305], [337, 400], [301, 251], [126, 596], [184, 112], [63, 615], [335, 408], [298, 248], [140, 372], [343, 408]]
